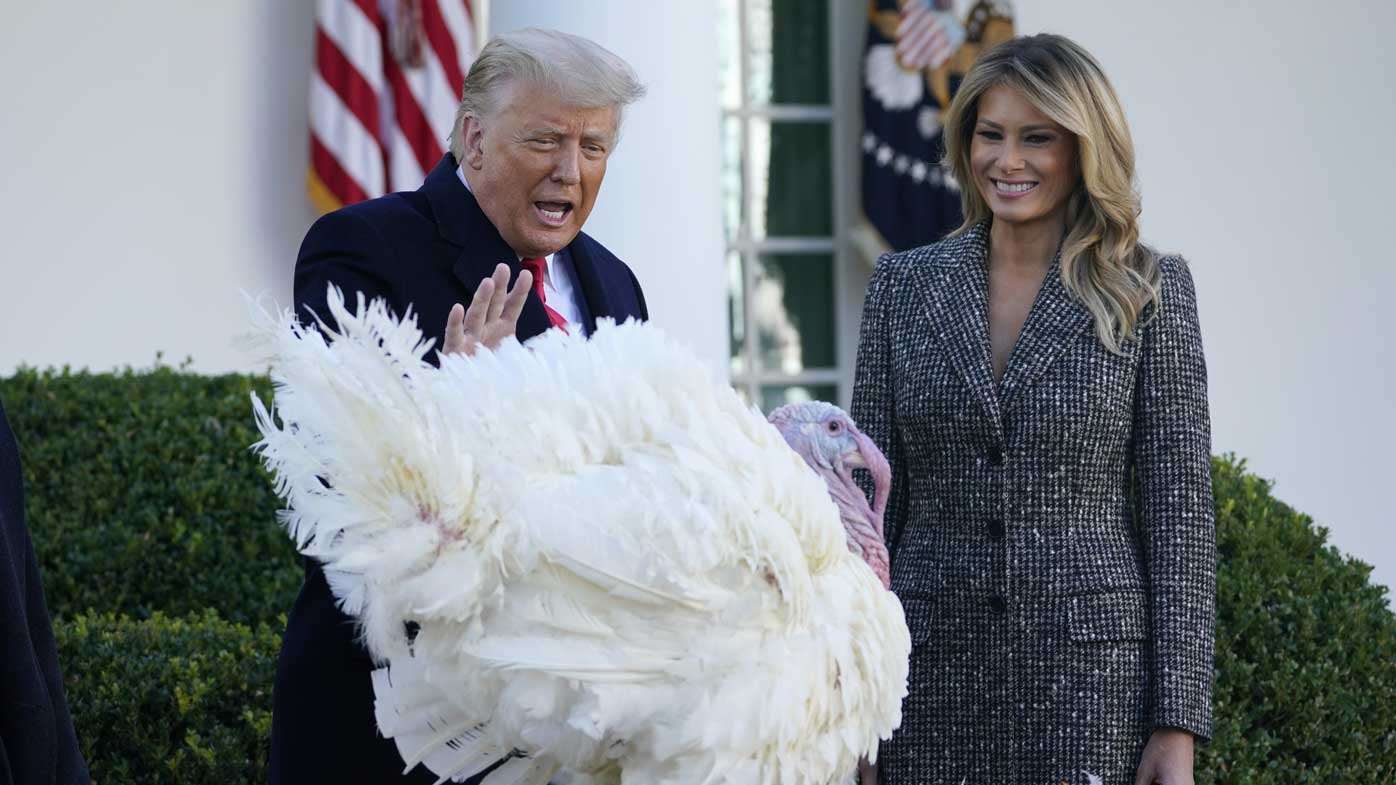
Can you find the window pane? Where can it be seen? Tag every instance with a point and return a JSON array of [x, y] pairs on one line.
[[792, 310], [789, 51], [736, 318], [732, 176], [792, 179], [774, 397], [729, 54]]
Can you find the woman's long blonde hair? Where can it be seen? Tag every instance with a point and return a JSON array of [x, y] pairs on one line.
[[1103, 263]]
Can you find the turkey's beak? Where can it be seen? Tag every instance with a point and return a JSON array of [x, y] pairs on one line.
[[854, 459]]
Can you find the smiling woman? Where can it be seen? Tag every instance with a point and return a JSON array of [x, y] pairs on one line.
[[1024, 162], [1037, 384]]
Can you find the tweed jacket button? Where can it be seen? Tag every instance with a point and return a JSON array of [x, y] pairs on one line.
[[996, 529], [995, 455], [997, 604]]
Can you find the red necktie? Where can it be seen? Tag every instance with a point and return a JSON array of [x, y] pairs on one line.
[[535, 266]]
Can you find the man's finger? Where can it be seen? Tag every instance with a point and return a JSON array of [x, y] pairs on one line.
[[514, 303], [479, 305], [501, 286], [454, 340]]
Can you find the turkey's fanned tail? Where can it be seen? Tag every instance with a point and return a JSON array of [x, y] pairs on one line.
[[638, 579]]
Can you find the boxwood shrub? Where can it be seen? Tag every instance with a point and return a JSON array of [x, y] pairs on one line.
[[143, 495], [1306, 650], [168, 700]]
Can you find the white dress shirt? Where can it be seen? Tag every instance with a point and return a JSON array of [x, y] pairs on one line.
[[559, 282]]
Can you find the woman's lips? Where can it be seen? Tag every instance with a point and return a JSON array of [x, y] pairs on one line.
[[1013, 189]]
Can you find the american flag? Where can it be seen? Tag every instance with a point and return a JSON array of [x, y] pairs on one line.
[[925, 37], [383, 95]]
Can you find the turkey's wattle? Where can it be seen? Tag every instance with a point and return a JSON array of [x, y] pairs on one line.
[[826, 437]]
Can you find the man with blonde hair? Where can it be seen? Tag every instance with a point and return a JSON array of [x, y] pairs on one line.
[[497, 224]]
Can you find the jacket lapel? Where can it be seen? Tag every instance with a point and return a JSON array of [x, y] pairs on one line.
[[596, 296], [461, 222], [1053, 324], [954, 286]]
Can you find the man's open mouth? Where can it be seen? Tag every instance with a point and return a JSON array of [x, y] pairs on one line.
[[553, 213]]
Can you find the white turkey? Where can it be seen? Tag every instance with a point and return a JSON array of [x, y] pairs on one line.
[[614, 570]]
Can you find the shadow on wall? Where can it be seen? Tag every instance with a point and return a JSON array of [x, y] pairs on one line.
[[279, 128]]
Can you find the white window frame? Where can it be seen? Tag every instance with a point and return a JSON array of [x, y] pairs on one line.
[[843, 118]]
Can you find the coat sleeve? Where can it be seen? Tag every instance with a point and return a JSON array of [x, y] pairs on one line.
[[874, 400], [642, 309], [1172, 462], [344, 250], [322, 698], [38, 742]]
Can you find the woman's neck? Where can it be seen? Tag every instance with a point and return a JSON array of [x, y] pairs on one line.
[[1030, 245]]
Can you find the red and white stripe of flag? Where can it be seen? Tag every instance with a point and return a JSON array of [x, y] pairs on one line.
[[925, 38], [383, 95]]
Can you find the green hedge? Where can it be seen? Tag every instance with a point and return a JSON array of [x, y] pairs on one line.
[[144, 496], [1306, 650], [170, 701]]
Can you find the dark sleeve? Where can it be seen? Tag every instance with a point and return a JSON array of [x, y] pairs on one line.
[[344, 250], [322, 698], [639, 296], [37, 739], [874, 399], [69, 765], [1172, 460]]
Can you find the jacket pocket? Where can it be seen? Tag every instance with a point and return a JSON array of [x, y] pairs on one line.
[[1107, 616], [919, 618]]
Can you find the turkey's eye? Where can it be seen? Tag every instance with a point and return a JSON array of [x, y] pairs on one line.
[[835, 426]]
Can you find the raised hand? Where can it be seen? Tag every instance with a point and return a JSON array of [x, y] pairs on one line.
[[493, 314]]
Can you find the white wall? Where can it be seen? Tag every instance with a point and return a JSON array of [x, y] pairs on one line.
[[660, 207], [153, 159], [1263, 132]]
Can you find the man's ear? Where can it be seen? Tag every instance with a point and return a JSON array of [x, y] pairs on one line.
[[473, 137]]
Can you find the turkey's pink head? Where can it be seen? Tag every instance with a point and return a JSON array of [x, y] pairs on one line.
[[825, 436]]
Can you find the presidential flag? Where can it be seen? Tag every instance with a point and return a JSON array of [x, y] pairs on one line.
[[917, 51], [387, 80]]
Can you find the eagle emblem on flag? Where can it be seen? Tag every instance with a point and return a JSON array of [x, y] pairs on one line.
[[917, 52]]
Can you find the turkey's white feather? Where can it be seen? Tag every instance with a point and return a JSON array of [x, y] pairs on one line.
[[616, 567]]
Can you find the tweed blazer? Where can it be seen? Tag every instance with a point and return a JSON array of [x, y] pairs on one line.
[[1052, 534]]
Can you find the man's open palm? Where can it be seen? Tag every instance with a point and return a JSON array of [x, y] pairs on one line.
[[493, 314]]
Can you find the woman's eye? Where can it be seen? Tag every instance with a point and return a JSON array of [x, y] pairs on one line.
[[990, 135], [1039, 139]]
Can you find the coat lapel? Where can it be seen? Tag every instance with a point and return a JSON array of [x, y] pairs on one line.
[[954, 286], [461, 222], [1055, 321], [596, 298]]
